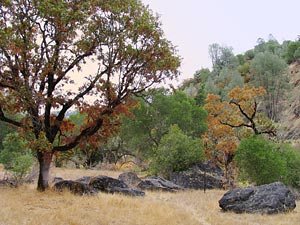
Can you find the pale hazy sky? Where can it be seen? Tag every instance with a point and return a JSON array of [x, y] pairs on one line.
[[192, 25]]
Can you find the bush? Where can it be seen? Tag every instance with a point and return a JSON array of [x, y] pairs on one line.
[[15, 157], [259, 161], [176, 152], [292, 160]]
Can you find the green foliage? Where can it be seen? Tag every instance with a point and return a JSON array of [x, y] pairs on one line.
[[16, 157], [225, 75], [226, 80], [190, 87], [262, 161], [292, 160], [176, 152], [259, 161], [157, 112], [249, 55], [6, 128], [269, 71], [244, 69], [202, 75], [201, 96], [293, 52], [241, 59], [222, 56], [21, 167], [271, 46]]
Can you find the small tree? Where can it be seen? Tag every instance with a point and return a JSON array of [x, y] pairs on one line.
[[176, 152], [259, 161], [269, 71], [16, 157], [229, 121], [291, 156], [293, 51]]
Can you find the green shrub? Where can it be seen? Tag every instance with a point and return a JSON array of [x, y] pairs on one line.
[[176, 152], [259, 161], [15, 157], [292, 160]]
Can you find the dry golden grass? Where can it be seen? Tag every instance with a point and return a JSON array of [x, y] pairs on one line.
[[206, 209], [72, 174], [25, 205]]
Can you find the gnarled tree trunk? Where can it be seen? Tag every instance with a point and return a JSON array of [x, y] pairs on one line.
[[44, 159]]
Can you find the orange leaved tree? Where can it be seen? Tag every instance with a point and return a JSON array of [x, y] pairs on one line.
[[231, 120], [58, 56]]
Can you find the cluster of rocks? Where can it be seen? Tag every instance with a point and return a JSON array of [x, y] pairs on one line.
[[92, 185], [266, 199], [206, 175], [151, 183], [123, 185], [201, 176]]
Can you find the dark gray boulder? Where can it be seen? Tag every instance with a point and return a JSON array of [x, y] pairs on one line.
[[205, 175], [75, 187], [93, 185], [111, 185], [265, 199], [57, 179], [85, 179], [158, 184], [130, 178]]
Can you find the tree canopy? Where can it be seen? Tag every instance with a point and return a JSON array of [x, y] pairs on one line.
[[54, 55], [158, 110]]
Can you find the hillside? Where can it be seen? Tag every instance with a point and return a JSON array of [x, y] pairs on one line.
[[290, 116]]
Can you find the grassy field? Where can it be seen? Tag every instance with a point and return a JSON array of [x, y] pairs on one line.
[[25, 205]]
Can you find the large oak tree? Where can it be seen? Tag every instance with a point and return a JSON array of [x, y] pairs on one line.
[[57, 54]]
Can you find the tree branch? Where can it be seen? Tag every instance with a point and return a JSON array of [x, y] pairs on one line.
[[8, 120]]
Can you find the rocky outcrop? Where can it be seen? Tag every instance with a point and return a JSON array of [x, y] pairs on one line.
[[130, 178], [111, 185], [152, 183], [265, 199], [289, 116], [206, 175], [158, 184], [92, 185], [75, 187]]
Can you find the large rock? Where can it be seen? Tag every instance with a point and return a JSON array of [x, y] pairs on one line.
[[111, 185], [75, 187], [206, 175], [85, 179], [158, 184], [265, 199], [130, 178], [92, 185]]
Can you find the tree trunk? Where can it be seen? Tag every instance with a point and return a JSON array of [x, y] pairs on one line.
[[44, 159]]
